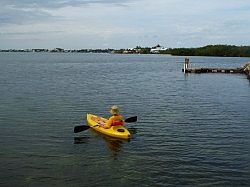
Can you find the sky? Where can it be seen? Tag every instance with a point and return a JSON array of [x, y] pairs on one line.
[[81, 24]]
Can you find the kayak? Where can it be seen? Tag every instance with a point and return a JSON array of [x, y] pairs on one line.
[[117, 131]]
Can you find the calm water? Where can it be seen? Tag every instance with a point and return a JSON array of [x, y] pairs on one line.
[[192, 130]]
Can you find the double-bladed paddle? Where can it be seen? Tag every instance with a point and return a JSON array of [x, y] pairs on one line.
[[81, 128], [131, 119]]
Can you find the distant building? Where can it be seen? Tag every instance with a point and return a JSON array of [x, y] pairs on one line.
[[39, 50], [157, 49], [130, 51], [57, 50]]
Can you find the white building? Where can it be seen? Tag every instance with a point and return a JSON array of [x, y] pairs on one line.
[[157, 49]]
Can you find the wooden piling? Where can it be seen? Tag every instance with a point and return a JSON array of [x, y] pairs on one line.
[[186, 65]]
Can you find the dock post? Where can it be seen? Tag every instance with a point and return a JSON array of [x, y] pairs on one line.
[[186, 63]]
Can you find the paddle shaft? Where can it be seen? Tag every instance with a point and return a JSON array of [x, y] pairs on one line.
[[81, 128]]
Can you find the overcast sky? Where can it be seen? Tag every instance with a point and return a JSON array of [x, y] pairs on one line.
[[123, 23]]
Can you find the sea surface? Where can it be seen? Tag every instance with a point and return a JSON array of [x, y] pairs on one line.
[[192, 129]]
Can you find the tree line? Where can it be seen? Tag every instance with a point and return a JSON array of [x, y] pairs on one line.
[[211, 50]]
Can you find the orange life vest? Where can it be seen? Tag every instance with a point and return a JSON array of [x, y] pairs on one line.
[[116, 120]]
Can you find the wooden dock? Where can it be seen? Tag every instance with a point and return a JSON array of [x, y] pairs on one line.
[[213, 70], [186, 69]]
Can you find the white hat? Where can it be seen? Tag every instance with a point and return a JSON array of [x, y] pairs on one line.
[[114, 109]]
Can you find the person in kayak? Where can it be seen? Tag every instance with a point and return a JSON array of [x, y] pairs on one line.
[[114, 120]]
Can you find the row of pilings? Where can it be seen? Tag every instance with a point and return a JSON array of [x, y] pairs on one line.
[[245, 69]]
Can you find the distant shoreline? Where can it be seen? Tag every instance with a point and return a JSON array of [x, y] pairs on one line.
[[59, 50], [209, 50]]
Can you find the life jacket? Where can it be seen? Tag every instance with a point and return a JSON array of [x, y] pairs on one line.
[[117, 120]]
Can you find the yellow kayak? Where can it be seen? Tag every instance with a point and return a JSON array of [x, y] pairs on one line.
[[118, 131]]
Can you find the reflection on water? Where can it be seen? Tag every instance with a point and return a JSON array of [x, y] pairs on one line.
[[194, 128], [113, 144], [80, 140], [132, 130]]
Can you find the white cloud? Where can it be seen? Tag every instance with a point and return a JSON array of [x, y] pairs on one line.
[[98, 23]]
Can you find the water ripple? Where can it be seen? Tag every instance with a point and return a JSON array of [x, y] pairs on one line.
[[192, 130]]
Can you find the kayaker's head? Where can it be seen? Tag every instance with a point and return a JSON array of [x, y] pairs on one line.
[[114, 109]]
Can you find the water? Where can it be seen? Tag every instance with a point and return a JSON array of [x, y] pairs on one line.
[[192, 130]]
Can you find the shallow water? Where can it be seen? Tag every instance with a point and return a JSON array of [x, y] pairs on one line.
[[192, 129]]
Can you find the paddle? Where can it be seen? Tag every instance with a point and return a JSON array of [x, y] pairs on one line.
[[81, 128], [131, 119]]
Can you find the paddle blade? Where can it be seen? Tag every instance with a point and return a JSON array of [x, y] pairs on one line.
[[80, 128], [131, 119]]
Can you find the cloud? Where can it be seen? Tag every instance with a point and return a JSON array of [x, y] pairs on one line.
[[19, 16], [30, 11], [57, 3], [125, 23]]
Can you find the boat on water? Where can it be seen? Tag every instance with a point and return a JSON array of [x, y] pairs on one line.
[[118, 131]]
